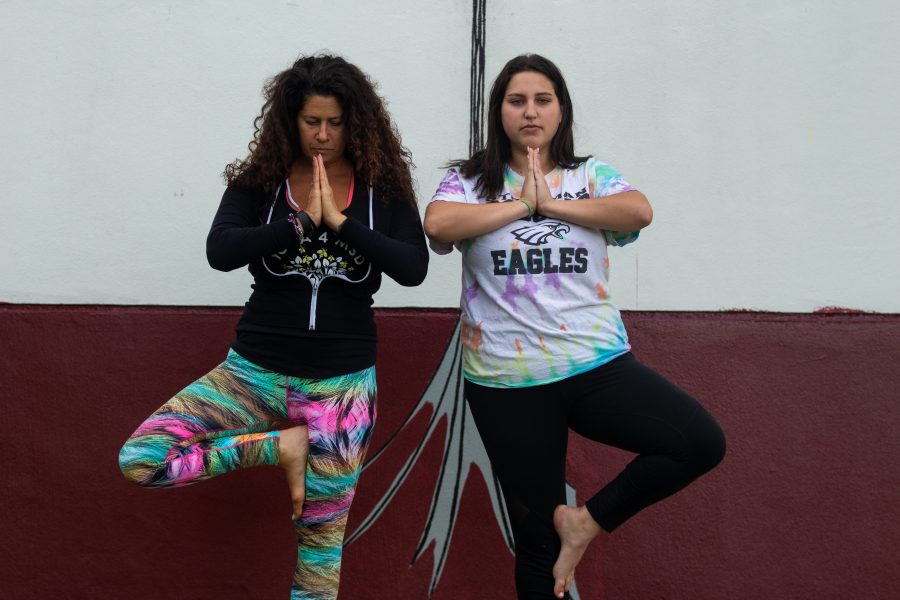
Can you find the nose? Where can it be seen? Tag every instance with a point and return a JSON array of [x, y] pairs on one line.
[[530, 110], [322, 133]]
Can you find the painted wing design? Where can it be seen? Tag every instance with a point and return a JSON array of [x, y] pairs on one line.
[[462, 450]]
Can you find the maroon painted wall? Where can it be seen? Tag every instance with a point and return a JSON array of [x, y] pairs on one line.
[[804, 505]]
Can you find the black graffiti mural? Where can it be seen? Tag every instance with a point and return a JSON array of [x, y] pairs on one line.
[[461, 451]]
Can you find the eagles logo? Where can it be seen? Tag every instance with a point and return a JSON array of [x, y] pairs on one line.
[[536, 234]]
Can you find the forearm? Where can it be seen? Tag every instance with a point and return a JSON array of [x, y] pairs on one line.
[[403, 258], [334, 220], [232, 247], [625, 211], [449, 222], [236, 236]]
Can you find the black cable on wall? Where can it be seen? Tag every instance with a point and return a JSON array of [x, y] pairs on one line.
[[476, 78]]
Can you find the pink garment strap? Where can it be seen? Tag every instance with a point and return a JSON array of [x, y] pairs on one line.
[[350, 195]]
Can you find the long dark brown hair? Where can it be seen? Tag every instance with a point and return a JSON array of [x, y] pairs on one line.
[[373, 142], [488, 163]]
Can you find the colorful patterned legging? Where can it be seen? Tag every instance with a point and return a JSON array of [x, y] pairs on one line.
[[228, 420]]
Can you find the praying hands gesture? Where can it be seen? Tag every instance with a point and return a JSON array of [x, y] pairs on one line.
[[535, 191], [321, 208]]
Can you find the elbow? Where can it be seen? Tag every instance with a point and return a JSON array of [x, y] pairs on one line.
[[218, 264], [643, 214], [217, 260], [415, 280], [432, 229], [417, 274], [217, 254], [436, 234], [434, 225], [644, 217]]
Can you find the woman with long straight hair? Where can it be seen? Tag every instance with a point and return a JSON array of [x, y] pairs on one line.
[[319, 210], [545, 349]]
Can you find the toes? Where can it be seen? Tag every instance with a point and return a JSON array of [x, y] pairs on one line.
[[297, 485], [298, 505], [559, 587], [562, 584]]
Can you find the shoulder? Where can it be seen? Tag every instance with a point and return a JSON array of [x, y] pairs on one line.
[[604, 179], [236, 192], [598, 169], [383, 202], [453, 176], [453, 186]]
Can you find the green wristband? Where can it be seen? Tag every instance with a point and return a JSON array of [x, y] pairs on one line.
[[528, 206]]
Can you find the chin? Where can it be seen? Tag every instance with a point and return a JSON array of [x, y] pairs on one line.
[[531, 141]]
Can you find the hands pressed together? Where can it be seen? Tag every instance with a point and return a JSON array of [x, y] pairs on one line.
[[321, 208], [535, 191]]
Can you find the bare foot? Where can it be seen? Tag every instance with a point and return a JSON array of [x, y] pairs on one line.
[[294, 449], [576, 528]]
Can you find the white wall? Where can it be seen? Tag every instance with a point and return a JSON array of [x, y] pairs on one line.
[[765, 134]]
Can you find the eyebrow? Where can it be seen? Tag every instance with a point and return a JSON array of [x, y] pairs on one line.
[[518, 94]]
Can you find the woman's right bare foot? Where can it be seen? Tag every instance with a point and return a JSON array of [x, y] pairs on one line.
[[293, 448], [576, 529]]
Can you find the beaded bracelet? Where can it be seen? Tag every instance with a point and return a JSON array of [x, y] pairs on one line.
[[298, 228], [528, 206]]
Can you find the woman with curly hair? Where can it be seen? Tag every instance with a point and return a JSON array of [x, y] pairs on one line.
[[544, 347], [321, 207]]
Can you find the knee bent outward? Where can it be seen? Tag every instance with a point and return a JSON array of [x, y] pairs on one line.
[[135, 470], [706, 443]]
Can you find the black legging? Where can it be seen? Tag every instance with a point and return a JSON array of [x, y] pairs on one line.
[[622, 404]]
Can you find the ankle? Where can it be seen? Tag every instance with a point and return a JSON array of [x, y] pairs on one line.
[[587, 522], [285, 446]]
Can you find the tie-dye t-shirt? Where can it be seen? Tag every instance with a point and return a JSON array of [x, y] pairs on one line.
[[535, 301]]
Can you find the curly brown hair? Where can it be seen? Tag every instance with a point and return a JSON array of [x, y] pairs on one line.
[[373, 142]]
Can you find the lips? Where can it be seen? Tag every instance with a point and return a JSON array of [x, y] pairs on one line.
[[530, 128]]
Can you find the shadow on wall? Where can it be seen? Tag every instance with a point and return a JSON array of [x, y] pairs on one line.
[[806, 402]]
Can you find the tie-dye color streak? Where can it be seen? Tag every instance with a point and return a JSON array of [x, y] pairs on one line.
[[530, 273], [340, 413], [229, 419]]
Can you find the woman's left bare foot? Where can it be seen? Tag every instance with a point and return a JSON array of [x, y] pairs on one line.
[[293, 447], [576, 528]]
